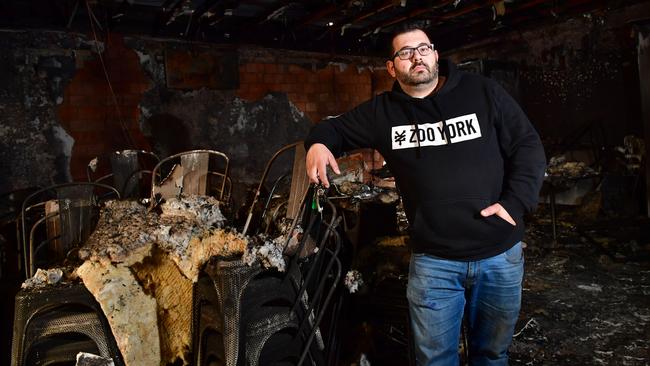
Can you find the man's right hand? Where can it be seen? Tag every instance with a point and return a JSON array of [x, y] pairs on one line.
[[318, 158]]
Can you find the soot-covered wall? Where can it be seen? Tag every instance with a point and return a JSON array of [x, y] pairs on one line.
[[58, 111], [577, 80], [62, 104]]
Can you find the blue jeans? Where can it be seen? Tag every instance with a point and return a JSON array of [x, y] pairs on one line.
[[487, 292]]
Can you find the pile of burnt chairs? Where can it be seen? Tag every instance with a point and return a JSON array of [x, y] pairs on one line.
[[244, 314]]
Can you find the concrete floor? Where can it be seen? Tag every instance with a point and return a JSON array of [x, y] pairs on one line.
[[586, 298]]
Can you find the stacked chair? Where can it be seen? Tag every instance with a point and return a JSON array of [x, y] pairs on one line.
[[12, 273], [53, 323], [248, 315]]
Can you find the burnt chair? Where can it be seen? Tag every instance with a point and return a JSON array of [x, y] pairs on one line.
[[195, 172], [247, 315], [58, 219], [11, 266], [285, 177], [129, 171], [53, 323]]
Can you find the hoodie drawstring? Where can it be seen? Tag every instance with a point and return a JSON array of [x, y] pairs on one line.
[[418, 150], [445, 129]]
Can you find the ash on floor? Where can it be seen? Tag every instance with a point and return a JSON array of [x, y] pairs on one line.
[[586, 297]]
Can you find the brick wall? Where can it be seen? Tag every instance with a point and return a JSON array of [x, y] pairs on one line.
[[89, 114], [319, 93], [88, 111], [327, 91]]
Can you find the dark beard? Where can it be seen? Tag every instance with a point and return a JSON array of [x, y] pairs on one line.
[[415, 80]]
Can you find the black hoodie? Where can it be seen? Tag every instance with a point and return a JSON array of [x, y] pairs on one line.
[[494, 155]]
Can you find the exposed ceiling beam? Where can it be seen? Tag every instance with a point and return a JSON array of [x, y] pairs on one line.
[[386, 5], [516, 17], [568, 9], [255, 21], [319, 14], [466, 10], [418, 12]]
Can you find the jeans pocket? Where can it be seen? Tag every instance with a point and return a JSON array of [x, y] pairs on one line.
[[515, 255]]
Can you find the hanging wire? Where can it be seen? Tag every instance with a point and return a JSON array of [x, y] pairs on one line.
[[127, 136]]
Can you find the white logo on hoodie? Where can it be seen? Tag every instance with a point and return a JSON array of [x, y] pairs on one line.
[[459, 129]]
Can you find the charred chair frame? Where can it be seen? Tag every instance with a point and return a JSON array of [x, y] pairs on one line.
[[317, 271], [66, 199], [296, 185], [10, 223], [244, 321], [53, 323], [126, 165], [305, 285], [261, 315], [223, 190]]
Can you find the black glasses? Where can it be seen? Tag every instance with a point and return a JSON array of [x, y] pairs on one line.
[[407, 52]]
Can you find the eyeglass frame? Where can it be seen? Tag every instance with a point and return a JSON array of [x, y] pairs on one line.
[[413, 49]]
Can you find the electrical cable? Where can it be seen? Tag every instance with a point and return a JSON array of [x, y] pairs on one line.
[[127, 136]]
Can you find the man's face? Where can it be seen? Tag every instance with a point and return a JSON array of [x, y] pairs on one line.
[[418, 69]]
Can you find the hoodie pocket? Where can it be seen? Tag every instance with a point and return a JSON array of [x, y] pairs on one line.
[[459, 220]]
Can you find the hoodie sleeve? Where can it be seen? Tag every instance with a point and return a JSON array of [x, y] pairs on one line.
[[348, 131], [525, 161]]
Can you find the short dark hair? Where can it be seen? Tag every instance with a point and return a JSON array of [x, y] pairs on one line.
[[398, 30]]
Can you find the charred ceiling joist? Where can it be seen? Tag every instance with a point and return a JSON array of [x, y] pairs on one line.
[[344, 26]]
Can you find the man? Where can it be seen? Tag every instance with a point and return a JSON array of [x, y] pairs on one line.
[[468, 164]]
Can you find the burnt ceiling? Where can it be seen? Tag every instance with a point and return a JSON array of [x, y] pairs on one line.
[[352, 27]]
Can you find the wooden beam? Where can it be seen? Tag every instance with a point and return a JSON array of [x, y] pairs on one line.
[[195, 173], [299, 182]]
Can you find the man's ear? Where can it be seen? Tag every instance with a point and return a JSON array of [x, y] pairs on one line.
[[390, 67]]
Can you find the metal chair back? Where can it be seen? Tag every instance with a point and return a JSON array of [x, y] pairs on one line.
[[59, 218], [195, 172], [11, 267], [126, 170], [320, 270], [298, 185]]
